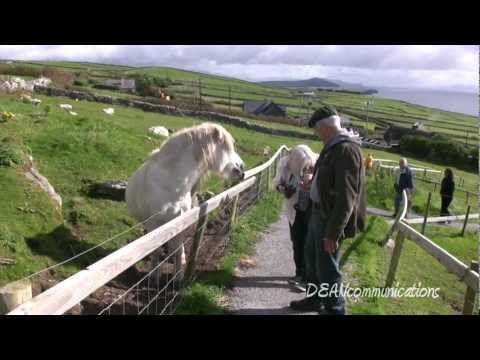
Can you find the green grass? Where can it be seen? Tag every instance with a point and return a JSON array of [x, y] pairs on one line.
[[202, 299], [448, 238], [366, 263], [74, 65], [70, 151], [216, 90], [470, 178], [207, 295], [381, 194]]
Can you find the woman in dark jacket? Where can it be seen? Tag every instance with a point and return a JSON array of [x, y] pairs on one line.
[[446, 191]]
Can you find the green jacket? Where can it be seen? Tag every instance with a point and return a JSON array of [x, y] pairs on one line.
[[340, 182]]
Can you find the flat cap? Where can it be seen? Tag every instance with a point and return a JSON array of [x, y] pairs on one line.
[[322, 113]]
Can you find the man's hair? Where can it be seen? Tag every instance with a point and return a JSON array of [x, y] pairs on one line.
[[333, 121], [404, 161]]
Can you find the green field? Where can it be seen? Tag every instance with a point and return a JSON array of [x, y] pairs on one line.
[[366, 261], [460, 127], [69, 151]]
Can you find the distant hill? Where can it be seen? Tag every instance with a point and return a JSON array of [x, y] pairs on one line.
[[316, 83]]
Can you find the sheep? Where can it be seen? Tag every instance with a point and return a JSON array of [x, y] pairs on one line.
[[159, 130], [109, 111]]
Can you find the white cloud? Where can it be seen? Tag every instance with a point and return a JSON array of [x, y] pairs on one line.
[[380, 65]]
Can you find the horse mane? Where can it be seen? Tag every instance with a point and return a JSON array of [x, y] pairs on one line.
[[204, 138]]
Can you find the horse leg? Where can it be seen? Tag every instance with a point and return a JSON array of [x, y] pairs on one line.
[[176, 252]]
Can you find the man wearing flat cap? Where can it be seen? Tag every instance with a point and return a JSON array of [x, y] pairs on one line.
[[339, 211]]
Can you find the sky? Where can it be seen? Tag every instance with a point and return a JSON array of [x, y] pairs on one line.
[[441, 67]]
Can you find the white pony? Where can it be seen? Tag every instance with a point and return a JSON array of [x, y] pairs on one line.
[[290, 168], [166, 182]]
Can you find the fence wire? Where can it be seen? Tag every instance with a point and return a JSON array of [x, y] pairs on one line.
[[158, 290]]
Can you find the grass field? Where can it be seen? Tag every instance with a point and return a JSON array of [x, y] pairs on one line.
[[367, 263], [92, 146], [70, 151], [381, 194], [217, 87]]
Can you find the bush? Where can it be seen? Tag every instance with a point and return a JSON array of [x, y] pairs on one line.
[[380, 190], [149, 85], [105, 87], [9, 239], [11, 154], [418, 145], [440, 150], [59, 78], [78, 83], [20, 70]]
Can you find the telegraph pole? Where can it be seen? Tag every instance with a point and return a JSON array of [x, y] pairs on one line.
[[200, 92], [366, 105], [229, 98]]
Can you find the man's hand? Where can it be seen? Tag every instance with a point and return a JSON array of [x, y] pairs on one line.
[[330, 245]]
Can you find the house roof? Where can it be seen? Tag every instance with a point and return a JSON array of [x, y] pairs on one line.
[[123, 83], [112, 82], [127, 84], [251, 106], [257, 107]]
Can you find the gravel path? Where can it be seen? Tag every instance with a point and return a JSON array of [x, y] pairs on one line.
[[263, 289]]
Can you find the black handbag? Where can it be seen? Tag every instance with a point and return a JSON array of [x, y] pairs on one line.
[[289, 191]]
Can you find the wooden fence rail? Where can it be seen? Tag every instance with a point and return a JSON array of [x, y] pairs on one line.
[[63, 296], [468, 274]]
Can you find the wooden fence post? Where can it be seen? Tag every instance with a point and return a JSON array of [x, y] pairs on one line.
[[259, 185], [232, 220], [469, 303], [397, 250], [427, 210], [466, 198], [434, 187], [424, 174], [465, 221], [192, 258], [234, 210], [268, 179], [275, 165]]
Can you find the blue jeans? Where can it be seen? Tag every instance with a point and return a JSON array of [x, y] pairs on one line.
[[322, 267]]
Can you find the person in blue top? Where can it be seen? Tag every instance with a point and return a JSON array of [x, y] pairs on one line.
[[404, 182]]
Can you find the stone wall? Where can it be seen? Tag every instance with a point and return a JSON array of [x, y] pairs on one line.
[[173, 110]]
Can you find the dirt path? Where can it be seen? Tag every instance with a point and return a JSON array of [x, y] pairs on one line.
[[263, 289]]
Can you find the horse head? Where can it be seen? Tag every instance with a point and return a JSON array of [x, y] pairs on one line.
[[225, 160]]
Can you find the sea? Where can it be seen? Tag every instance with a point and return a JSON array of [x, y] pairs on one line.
[[459, 102]]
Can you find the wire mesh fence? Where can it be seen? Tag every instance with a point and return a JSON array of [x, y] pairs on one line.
[[147, 275], [158, 290]]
